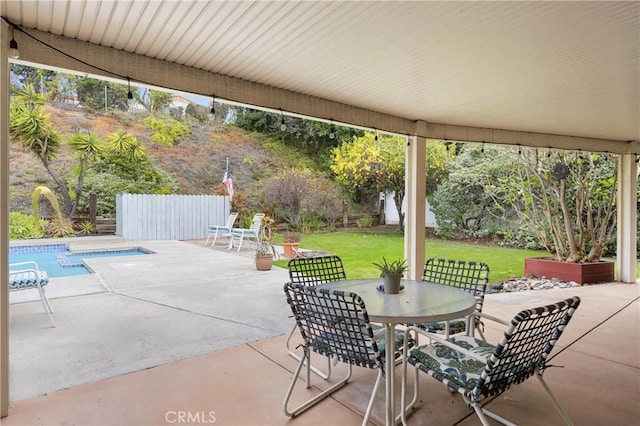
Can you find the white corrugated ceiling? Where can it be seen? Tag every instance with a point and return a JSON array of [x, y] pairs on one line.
[[567, 68]]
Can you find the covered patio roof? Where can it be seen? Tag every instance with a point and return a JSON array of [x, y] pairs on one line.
[[506, 72], [545, 74]]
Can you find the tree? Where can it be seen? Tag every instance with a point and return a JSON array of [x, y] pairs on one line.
[[299, 197], [29, 126], [86, 146], [123, 168], [155, 101], [568, 199], [93, 94], [372, 164], [464, 201], [315, 138], [38, 78]]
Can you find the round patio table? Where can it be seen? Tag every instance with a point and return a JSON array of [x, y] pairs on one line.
[[417, 302]]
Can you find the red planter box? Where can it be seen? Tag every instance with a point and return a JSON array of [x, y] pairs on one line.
[[582, 273]]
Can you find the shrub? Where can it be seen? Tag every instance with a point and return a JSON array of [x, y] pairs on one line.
[[60, 227], [85, 227], [23, 226], [166, 131], [364, 222], [303, 200]]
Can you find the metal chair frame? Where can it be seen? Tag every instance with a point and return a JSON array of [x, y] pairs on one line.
[[253, 231], [472, 277], [521, 353], [335, 324], [223, 230], [311, 271], [30, 276]]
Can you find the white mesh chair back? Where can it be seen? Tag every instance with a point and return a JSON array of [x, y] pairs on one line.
[[469, 276], [316, 270], [335, 324], [524, 347]]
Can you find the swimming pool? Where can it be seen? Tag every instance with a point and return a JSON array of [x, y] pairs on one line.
[[59, 261]]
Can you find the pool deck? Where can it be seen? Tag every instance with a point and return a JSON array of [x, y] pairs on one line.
[[138, 312], [198, 330]]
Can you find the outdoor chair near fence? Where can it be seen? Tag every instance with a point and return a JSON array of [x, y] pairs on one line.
[[27, 275], [239, 235], [335, 324], [466, 275], [216, 231], [478, 370], [311, 271]]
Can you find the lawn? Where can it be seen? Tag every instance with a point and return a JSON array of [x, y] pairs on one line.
[[358, 250]]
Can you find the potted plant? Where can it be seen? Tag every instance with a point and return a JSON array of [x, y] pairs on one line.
[[290, 244], [264, 247], [568, 200], [392, 272]]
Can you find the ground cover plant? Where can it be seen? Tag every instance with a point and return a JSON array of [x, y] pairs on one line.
[[360, 249]]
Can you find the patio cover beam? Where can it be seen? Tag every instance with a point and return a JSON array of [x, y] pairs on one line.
[[86, 58], [4, 221]]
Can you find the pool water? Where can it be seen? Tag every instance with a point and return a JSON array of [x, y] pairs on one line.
[[58, 261]]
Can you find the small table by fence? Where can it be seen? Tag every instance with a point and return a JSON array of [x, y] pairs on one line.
[[418, 302]]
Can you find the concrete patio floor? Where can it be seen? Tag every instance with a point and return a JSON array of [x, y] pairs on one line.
[[191, 335]]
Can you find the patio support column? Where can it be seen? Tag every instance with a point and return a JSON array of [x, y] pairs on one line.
[[4, 220], [627, 218], [415, 187]]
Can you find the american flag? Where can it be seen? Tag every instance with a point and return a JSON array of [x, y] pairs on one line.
[[228, 182]]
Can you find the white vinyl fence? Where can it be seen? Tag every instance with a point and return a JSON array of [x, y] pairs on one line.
[[168, 217]]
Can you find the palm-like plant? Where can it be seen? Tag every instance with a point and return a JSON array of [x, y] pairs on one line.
[[126, 145], [86, 145], [31, 127]]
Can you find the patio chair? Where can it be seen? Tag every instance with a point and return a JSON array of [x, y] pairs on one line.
[[469, 276], [221, 230], [250, 233], [478, 370], [27, 275], [335, 324], [312, 271]]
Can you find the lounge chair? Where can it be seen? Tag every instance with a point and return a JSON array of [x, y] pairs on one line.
[[251, 233], [26, 275], [221, 230]]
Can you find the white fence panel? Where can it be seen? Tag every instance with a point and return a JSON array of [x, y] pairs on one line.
[[168, 217]]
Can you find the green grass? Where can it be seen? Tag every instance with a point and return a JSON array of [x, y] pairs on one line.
[[358, 251]]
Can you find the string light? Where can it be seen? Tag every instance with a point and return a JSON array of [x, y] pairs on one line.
[[212, 111], [331, 132], [13, 47], [283, 126], [482, 149], [129, 93]]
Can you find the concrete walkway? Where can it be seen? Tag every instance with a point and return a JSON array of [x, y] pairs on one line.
[[138, 312], [200, 333]]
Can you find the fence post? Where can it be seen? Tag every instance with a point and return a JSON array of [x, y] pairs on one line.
[[345, 218], [93, 208]]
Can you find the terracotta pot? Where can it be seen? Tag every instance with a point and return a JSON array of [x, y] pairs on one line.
[[264, 262], [581, 273], [289, 249]]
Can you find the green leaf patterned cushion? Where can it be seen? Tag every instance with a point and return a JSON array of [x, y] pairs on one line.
[[399, 342], [27, 279], [452, 365]]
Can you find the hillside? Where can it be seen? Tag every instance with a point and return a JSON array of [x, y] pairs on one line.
[[197, 162]]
